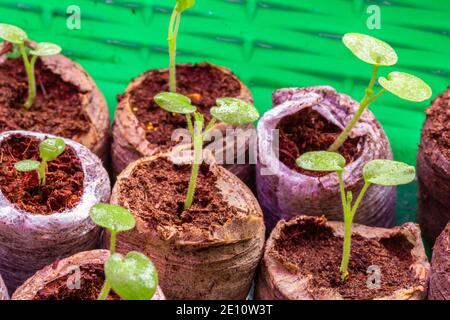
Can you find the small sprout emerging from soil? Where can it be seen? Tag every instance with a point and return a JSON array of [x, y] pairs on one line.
[[49, 150], [378, 53], [228, 110], [174, 25], [134, 276], [379, 172], [17, 37]]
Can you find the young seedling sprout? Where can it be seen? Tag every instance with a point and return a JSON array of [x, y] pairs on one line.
[[379, 172], [228, 110], [49, 150], [378, 53], [17, 37], [132, 277], [174, 25]]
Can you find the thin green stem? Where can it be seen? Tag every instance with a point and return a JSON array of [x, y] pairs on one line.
[[362, 106], [190, 126], [346, 248], [172, 38], [342, 190], [41, 172], [348, 220], [198, 144], [112, 249], [26, 62], [358, 200], [29, 69], [112, 246], [369, 89], [376, 96], [208, 127], [105, 291]]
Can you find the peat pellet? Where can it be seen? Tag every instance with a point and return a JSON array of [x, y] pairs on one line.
[[141, 128], [440, 267], [68, 102], [38, 224], [78, 277], [3, 291], [302, 258], [310, 119], [209, 251], [433, 168]]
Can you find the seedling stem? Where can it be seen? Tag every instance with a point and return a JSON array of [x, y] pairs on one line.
[[368, 98], [198, 145], [173, 32]]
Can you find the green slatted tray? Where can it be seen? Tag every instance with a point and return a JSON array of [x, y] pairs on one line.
[[268, 43]]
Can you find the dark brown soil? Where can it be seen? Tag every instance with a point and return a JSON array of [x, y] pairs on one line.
[[203, 84], [439, 114], [307, 130], [311, 249], [57, 108], [92, 278], [64, 186], [156, 192]]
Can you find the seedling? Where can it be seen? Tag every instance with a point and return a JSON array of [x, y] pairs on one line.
[[228, 110], [174, 25], [379, 172], [49, 150], [132, 277], [378, 53], [17, 37]]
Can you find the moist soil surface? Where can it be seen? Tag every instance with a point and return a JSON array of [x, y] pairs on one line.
[[156, 192], [64, 185], [92, 278], [308, 248], [307, 130], [57, 109], [439, 114], [202, 84]]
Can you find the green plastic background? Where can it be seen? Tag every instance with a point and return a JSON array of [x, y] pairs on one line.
[[269, 44]]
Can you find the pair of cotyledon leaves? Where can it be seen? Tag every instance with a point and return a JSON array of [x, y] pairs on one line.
[[380, 171], [229, 110], [49, 149], [132, 277], [376, 52], [16, 35]]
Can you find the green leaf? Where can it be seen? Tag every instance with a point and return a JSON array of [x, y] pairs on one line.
[[132, 277], [388, 172], [174, 102], [50, 148], [406, 86], [321, 161], [370, 50], [184, 5], [234, 111], [45, 49], [27, 165], [112, 217], [12, 33]]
